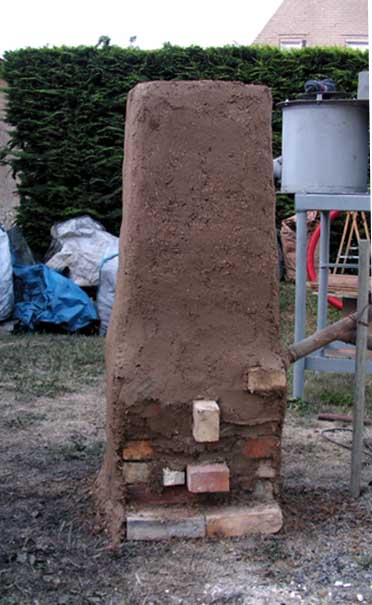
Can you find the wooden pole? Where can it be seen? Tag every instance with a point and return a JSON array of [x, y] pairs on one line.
[[365, 224], [360, 368], [355, 225], [341, 246], [349, 241], [340, 330], [351, 339], [340, 418]]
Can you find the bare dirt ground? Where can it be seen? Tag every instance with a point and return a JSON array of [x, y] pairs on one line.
[[51, 448]]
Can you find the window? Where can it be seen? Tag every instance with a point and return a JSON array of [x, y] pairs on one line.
[[357, 44], [290, 44]]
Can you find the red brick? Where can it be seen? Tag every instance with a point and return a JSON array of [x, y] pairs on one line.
[[138, 450], [203, 478], [261, 447], [238, 521]]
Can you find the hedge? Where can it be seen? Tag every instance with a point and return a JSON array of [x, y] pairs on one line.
[[68, 105]]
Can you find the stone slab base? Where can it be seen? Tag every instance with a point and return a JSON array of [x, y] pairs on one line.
[[222, 522]]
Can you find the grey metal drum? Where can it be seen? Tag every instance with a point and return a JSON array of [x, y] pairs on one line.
[[325, 146]]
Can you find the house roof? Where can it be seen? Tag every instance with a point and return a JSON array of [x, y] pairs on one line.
[[320, 22]]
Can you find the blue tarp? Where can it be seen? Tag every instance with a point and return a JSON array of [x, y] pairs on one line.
[[44, 296]]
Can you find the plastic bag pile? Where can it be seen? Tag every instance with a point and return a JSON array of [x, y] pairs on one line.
[[78, 247], [82, 254]]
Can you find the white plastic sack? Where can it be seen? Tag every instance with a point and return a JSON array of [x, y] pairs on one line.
[[106, 291], [82, 244], [6, 277]]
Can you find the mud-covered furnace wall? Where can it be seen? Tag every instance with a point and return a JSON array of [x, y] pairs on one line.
[[196, 314]]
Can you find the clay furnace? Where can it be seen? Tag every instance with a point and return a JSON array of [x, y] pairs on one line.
[[196, 384]]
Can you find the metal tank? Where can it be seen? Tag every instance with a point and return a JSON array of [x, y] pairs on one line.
[[324, 146]]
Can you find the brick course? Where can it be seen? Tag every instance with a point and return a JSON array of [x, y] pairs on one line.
[[222, 522]]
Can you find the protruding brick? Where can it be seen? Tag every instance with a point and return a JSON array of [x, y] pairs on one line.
[[206, 421], [261, 447], [138, 450], [203, 478], [171, 477], [261, 380], [240, 521], [136, 472], [265, 470], [163, 524]]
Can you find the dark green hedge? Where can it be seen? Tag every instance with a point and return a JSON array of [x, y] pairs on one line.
[[68, 105]]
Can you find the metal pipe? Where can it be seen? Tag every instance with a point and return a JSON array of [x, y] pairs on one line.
[[300, 304], [323, 270]]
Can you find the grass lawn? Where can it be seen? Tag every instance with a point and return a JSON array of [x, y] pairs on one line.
[[46, 365]]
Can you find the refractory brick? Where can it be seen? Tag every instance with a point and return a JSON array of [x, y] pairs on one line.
[[238, 521], [163, 524], [136, 472], [206, 421], [172, 477], [261, 380]]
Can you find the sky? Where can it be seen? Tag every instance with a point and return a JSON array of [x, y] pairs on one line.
[[38, 23]]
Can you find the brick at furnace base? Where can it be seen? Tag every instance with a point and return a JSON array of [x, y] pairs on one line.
[[235, 521], [208, 478], [164, 523]]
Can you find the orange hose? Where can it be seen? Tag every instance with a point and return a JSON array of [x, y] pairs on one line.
[[310, 264]]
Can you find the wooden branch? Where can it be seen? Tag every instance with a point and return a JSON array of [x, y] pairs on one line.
[[350, 338], [340, 330], [340, 418]]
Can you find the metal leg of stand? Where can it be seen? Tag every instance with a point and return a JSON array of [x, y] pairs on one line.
[[323, 270], [300, 304]]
